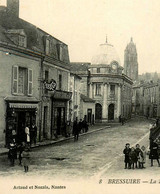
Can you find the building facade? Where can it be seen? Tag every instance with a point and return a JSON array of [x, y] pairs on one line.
[[105, 86], [35, 76], [74, 103], [108, 86], [131, 61]]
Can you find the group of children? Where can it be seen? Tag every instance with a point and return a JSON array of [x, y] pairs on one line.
[[134, 157], [23, 155]]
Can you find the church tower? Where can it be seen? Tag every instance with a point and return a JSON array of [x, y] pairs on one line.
[[130, 61]]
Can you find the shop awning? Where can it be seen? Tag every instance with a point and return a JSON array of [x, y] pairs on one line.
[[23, 105]]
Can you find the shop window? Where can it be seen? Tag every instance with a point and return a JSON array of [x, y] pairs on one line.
[[98, 89], [112, 89], [22, 81], [60, 82]]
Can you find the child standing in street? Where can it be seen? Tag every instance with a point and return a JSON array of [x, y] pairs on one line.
[[126, 152], [12, 154], [142, 157], [26, 159], [132, 157], [138, 150]]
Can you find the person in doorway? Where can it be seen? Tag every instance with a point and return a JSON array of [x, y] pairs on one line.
[[154, 153], [12, 154], [14, 135], [27, 132], [33, 133], [26, 159], [75, 130], [126, 152]]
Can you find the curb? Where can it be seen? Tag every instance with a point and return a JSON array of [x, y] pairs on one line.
[[61, 140]]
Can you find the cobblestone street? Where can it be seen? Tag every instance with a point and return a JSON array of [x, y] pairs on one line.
[[83, 159]]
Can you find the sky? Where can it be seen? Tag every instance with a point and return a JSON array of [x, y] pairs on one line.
[[84, 24]]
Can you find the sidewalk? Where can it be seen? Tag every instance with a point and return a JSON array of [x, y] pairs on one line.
[[92, 129]]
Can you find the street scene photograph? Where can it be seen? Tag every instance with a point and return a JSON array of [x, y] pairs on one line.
[[79, 96]]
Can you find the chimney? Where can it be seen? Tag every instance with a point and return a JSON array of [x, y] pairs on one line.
[[13, 7]]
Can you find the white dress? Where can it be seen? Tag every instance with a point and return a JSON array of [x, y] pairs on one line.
[[27, 133]]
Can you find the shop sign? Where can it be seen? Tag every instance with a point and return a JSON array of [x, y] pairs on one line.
[[22, 105], [59, 104], [51, 86], [62, 95]]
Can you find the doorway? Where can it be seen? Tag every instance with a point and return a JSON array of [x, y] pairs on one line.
[[98, 115], [89, 115], [111, 112], [59, 120]]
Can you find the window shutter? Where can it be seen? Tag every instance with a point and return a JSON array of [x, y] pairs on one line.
[[15, 79], [30, 81]]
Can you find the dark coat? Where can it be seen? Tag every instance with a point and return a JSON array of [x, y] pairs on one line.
[[133, 157], [126, 152], [137, 150], [75, 128], [12, 154], [25, 158], [153, 151]]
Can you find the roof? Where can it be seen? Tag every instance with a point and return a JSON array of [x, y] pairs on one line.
[[106, 54], [131, 47], [87, 99], [74, 74], [35, 36], [79, 68]]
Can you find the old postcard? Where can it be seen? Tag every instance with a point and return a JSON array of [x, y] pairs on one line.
[[79, 96]]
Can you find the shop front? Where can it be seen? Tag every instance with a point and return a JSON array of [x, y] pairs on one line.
[[19, 115], [59, 112]]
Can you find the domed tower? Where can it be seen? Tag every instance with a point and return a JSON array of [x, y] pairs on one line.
[[130, 61], [106, 83]]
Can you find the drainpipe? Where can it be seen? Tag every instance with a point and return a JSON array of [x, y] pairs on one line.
[[41, 95]]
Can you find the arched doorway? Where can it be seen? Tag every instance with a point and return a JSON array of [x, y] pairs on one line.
[[111, 112], [98, 115]]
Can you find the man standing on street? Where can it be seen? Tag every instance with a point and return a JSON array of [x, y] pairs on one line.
[[33, 133]]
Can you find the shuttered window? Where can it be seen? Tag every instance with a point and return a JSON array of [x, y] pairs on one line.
[[22, 81], [15, 79], [30, 81]]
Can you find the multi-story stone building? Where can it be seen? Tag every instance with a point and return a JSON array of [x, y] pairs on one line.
[[87, 105], [106, 85], [74, 103], [34, 76]]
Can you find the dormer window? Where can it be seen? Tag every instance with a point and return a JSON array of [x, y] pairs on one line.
[[22, 41], [17, 36], [60, 51], [47, 46]]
